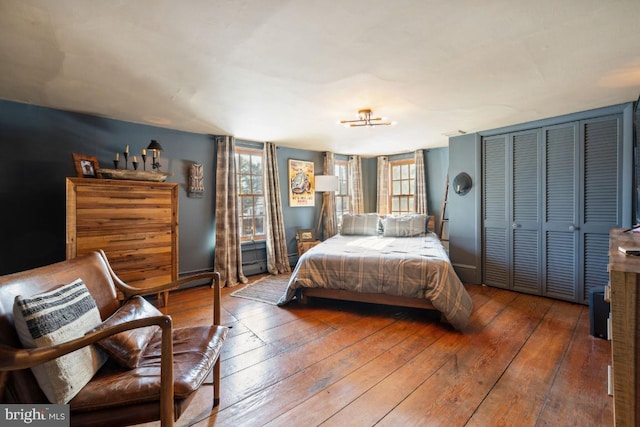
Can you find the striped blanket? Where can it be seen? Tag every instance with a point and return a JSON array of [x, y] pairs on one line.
[[416, 267]]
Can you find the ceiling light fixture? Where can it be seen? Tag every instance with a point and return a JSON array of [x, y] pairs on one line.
[[365, 119]]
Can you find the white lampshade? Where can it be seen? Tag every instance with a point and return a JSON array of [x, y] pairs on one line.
[[326, 183]]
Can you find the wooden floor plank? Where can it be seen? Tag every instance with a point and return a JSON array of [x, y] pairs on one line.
[[243, 384], [454, 391], [519, 395], [330, 368], [579, 392], [373, 405], [303, 334], [523, 360], [333, 397]]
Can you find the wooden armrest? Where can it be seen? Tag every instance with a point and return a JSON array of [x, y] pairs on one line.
[[12, 358], [130, 291]]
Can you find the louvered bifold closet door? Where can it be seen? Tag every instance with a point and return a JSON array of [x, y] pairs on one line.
[[600, 206], [560, 207], [495, 242], [526, 211]]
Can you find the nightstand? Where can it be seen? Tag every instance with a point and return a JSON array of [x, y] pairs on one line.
[[305, 246]]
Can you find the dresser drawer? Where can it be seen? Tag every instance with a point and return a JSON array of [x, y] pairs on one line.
[[128, 196], [95, 240], [122, 220], [142, 264]]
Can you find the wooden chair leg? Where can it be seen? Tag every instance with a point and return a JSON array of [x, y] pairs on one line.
[[216, 383]]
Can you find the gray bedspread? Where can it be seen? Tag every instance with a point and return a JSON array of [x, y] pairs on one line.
[[415, 267]]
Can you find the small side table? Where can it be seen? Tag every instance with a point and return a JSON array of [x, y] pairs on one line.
[[305, 246]]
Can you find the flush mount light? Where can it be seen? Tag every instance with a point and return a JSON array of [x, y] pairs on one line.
[[365, 119], [456, 132]]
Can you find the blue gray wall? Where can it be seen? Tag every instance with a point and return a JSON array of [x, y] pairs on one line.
[[464, 211], [437, 163], [36, 145]]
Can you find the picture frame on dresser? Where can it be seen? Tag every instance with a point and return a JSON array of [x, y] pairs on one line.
[[86, 166], [306, 235]]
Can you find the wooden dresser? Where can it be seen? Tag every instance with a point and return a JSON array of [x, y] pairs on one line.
[[624, 271], [305, 246], [134, 222]]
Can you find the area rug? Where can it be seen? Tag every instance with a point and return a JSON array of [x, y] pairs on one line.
[[267, 289]]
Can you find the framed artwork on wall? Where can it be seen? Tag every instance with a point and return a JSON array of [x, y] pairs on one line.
[[86, 166], [301, 183]]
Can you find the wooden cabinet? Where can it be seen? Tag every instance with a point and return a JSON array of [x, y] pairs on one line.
[[134, 222], [625, 323]]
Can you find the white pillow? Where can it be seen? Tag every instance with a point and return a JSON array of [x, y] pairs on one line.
[[408, 225], [55, 317]]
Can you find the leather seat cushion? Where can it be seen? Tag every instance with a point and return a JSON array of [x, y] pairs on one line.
[[195, 349]]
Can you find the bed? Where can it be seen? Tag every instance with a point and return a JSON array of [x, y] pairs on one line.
[[404, 268]]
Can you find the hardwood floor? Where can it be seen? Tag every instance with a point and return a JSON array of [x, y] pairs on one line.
[[523, 361]]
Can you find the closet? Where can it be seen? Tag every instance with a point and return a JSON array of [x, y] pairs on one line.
[[550, 196]]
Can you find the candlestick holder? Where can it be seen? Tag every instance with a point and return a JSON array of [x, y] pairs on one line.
[[115, 163], [144, 161], [156, 148], [155, 164], [126, 160], [135, 166]]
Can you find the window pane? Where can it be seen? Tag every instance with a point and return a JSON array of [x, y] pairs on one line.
[[404, 207], [259, 223], [259, 205], [412, 186], [256, 165], [243, 164], [245, 184], [404, 169], [250, 192], [257, 184], [246, 227], [247, 206], [395, 171], [412, 171], [395, 205], [405, 187], [344, 189], [410, 204], [397, 187]]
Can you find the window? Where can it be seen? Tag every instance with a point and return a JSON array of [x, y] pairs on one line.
[[403, 185], [251, 203], [342, 195]]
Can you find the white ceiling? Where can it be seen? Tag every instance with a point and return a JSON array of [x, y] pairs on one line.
[[288, 71]]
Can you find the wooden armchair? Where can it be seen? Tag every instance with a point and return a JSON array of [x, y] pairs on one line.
[[169, 369]]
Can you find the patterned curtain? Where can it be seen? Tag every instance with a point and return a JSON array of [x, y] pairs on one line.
[[355, 182], [383, 185], [228, 252], [277, 257], [420, 198], [330, 220]]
